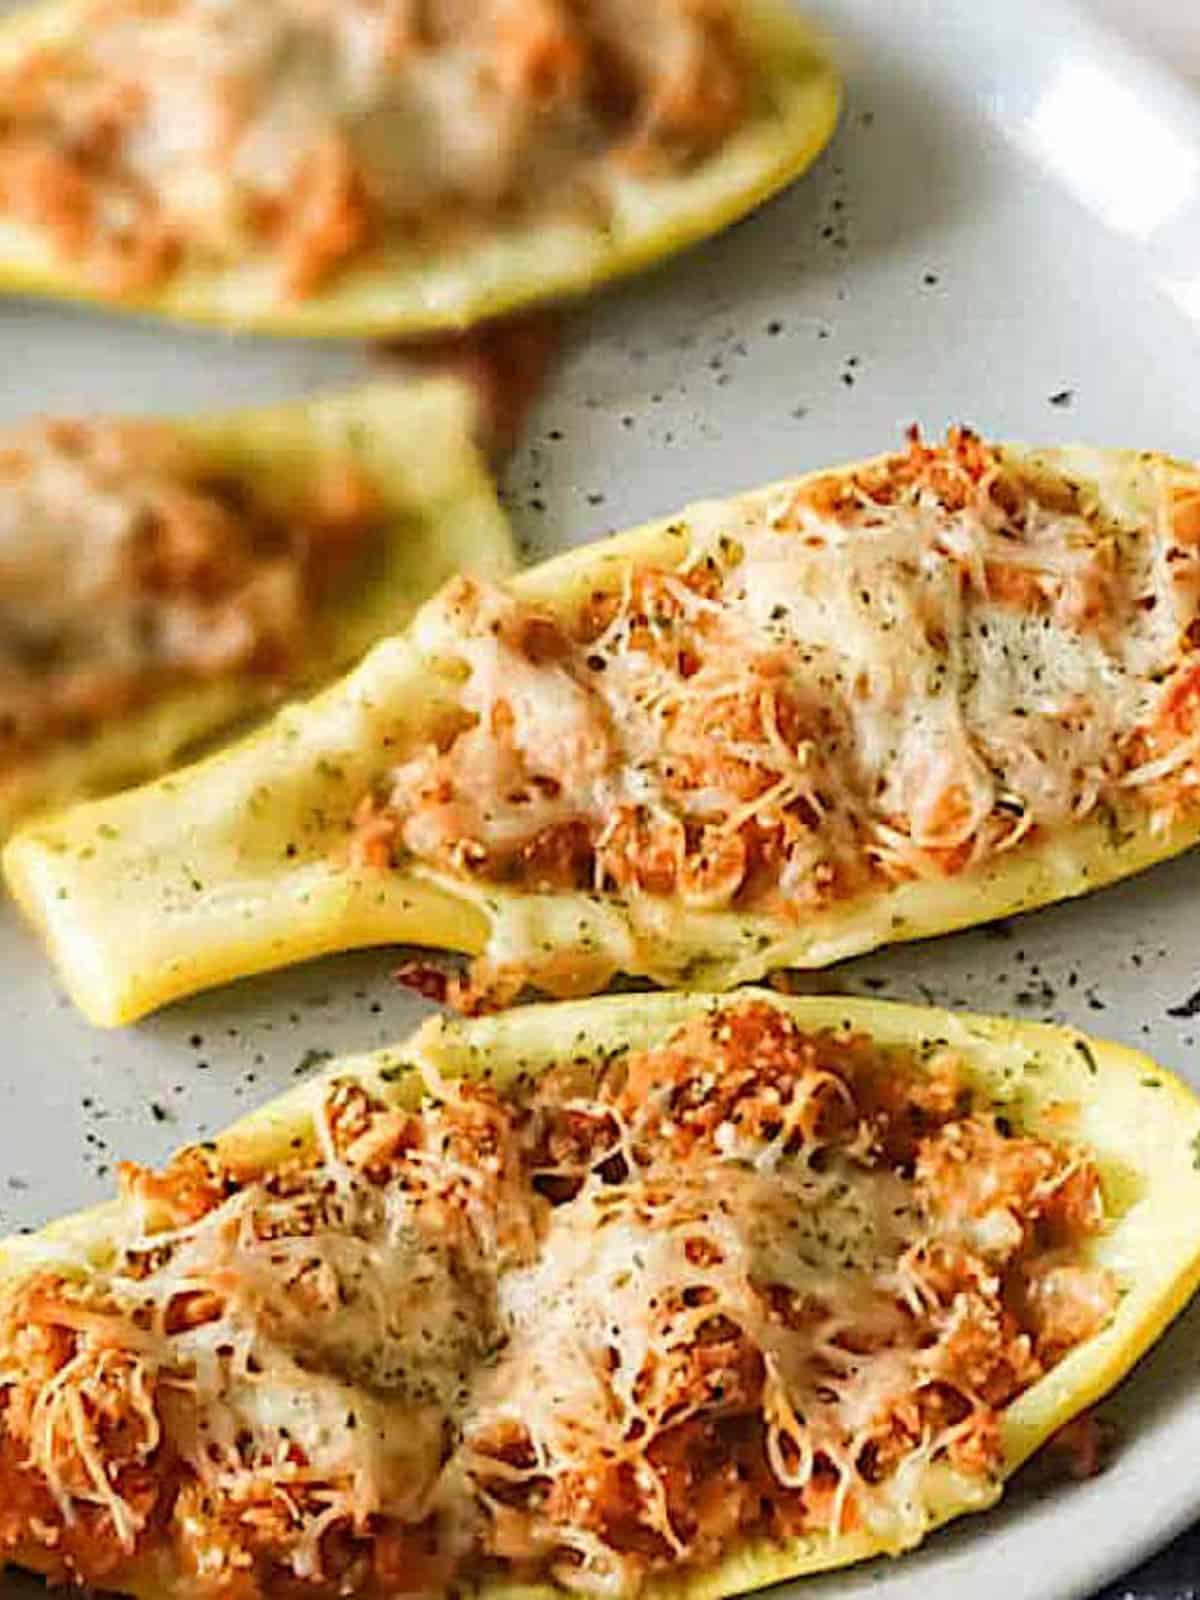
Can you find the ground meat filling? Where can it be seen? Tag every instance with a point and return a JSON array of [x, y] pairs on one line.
[[128, 569], [608, 1323], [893, 675], [200, 129]]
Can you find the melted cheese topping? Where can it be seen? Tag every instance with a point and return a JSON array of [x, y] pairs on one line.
[[127, 566], [890, 675], [211, 127], [610, 1324]]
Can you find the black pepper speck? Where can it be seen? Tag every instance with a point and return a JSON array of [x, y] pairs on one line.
[[1186, 1008]]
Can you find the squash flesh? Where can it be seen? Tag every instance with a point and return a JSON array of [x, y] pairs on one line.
[[1138, 1122], [225, 894], [395, 290]]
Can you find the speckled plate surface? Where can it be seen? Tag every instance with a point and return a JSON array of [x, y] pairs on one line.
[[1005, 231]]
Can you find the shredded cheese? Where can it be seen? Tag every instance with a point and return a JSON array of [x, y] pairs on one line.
[[890, 675], [751, 1281], [295, 133], [127, 567]]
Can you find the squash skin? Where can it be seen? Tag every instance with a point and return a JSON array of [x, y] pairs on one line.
[[438, 514], [255, 876], [396, 291], [1140, 1123]]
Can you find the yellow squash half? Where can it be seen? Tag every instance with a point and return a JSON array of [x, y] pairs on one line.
[[240, 864], [413, 443], [1140, 1124], [396, 288]]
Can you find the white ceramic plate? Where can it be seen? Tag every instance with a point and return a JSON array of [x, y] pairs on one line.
[[1006, 231]]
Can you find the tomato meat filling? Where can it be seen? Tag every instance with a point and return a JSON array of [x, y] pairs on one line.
[[128, 568], [609, 1322], [894, 674], [306, 132]]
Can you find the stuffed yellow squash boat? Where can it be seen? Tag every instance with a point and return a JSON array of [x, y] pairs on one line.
[[861, 706], [349, 167], [160, 581], [672, 1294]]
